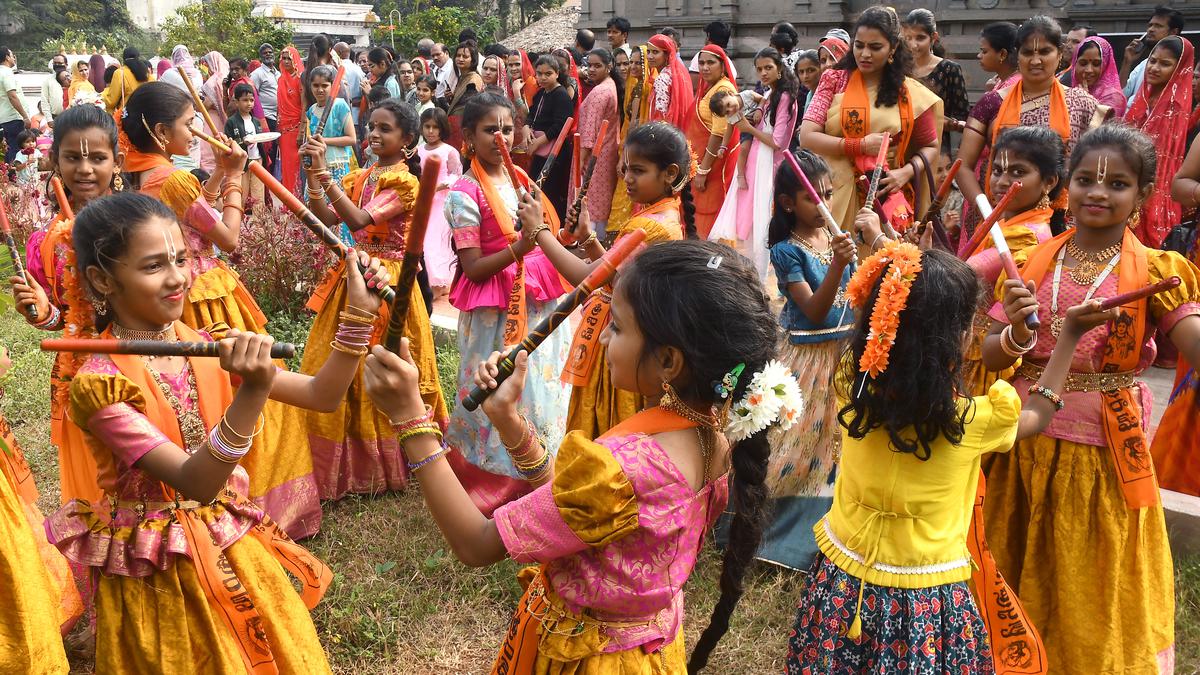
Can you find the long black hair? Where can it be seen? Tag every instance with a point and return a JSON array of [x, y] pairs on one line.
[[82, 118], [384, 57], [477, 108], [787, 82], [916, 400], [473, 49], [132, 59], [1043, 148], [788, 183], [664, 145], [551, 61], [1002, 35], [410, 124], [746, 334], [103, 228], [607, 57], [318, 49], [891, 84], [150, 104], [924, 20]]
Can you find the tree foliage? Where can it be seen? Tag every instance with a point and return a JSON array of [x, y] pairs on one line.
[[225, 26], [441, 24], [47, 25]]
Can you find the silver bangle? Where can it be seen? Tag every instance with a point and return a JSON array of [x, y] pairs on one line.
[[876, 240]]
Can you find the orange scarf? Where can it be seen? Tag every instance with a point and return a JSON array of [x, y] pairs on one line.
[[585, 346], [1122, 415], [1009, 116], [137, 161], [519, 651], [856, 123], [516, 324], [225, 592], [377, 232], [1022, 218]]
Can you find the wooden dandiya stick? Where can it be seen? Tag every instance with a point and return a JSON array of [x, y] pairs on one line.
[[993, 215], [558, 143], [414, 248], [830, 223], [506, 158], [1010, 266], [1144, 292], [334, 88], [60, 193], [197, 102], [18, 267], [279, 350], [943, 191], [877, 173], [575, 159], [577, 205], [599, 276]]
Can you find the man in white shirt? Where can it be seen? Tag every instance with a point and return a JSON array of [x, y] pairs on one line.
[[52, 91], [617, 29], [443, 70], [13, 118], [265, 79]]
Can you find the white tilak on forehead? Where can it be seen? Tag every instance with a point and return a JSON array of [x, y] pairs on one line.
[[1101, 168], [169, 240], [83, 147]]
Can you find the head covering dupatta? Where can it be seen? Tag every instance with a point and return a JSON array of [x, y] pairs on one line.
[[679, 96]]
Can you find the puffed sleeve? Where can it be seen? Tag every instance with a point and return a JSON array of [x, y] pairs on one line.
[[181, 191], [1169, 307], [111, 409], [462, 212], [831, 83], [590, 502], [395, 194], [994, 425]]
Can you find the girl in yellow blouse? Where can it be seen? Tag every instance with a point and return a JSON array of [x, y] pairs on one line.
[[657, 168], [888, 590], [1074, 512]]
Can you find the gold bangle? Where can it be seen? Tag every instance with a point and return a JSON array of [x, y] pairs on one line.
[[431, 429], [591, 239], [334, 344], [355, 318], [258, 427], [513, 251], [525, 426]]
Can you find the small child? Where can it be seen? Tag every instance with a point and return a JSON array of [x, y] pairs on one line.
[[952, 207], [241, 124], [439, 254], [734, 108], [425, 88], [27, 162]]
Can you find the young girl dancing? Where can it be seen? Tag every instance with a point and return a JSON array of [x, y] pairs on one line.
[[888, 590], [176, 538], [812, 269], [87, 160], [353, 448], [1034, 156], [658, 166], [1074, 512], [504, 286], [155, 125], [617, 522]]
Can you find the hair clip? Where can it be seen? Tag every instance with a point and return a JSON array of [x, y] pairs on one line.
[[729, 381], [715, 262]]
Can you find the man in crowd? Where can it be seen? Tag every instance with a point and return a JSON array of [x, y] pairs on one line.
[[52, 91], [443, 70], [715, 33], [585, 40], [617, 30], [352, 89], [1165, 21], [13, 117], [265, 79], [1070, 43]]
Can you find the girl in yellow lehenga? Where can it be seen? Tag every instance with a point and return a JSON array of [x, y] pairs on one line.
[[658, 167], [155, 127], [1074, 512], [189, 573], [354, 449], [637, 111]]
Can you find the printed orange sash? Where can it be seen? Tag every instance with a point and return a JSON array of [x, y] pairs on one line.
[[376, 232], [516, 323], [585, 346], [856, 119], [225, 592], [1016, 645], [1122, 415], [519, 651], [1009, 116], [1023, 218]]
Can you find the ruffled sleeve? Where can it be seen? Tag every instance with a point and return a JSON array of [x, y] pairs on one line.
[[395, 194], [179, 191], [832, 82], [1169, 307], [788, 266], [462, 212], [656, 231], [590, 502], [994, 425]]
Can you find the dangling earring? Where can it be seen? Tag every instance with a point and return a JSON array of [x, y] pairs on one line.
[[1136, 218], [162, 144], [1044, 202], [670, 401], [99, 306], [118, 183]]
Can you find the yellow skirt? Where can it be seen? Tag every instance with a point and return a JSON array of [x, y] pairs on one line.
[[978, 378], [164, 623], [279, 462], [1094, 576], [30, 613], [354, 449], [598, 406]]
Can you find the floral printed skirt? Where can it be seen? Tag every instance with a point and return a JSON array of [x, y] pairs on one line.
[[919, 631]]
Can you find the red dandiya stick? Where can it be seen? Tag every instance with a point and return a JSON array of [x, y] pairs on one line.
[[558, 143], [830, 223], [64, 204], [414, 247], [506, 157], [1144, 292], [581, 193], [944, 189], [600, 274], [985, 228], [575, 175], [18, 268], [279, 350]]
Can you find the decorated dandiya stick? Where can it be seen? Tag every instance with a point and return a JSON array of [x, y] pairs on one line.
[[1144, 292], [60, 193], [992, 216], [414, 248], [1010, 266], [943, 191], [18, 267], [279, 350], [600, 274], [877, 174], [506, 158], [558, 143], [830, 223], [577, 205], [197, 102]]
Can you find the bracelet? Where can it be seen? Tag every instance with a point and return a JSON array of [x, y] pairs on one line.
[[352, 311], [258, 427], [413, 466], [358, 353], [421, 430], [349, 316], [591, 239], [210, 197], [400, 427], [354, 337], [1010, 346], [535, 471], [51, 319], [241, 211], [523, 464], [223, 451], [703, 172], [876, 240], [516, 258], [538, 230], [1048, 394], [526, 432], [711, 153]]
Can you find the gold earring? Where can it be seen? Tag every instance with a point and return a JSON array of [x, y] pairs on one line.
[[1044, 202], [99, 306], [1136, 218], [118, 183]]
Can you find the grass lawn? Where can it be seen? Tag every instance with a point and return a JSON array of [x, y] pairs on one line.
[[401, 603]]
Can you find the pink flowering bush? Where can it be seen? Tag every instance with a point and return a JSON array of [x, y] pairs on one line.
[[279, 259]]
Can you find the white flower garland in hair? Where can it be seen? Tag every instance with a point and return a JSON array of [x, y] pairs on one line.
[[773, 397]]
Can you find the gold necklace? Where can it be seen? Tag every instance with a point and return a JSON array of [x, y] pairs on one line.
[[1088, 264], [191, 426], [824, 257], [166, 334]]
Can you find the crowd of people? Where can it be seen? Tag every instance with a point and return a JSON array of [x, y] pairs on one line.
[[816, 354]]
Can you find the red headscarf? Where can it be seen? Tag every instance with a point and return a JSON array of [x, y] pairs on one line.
[[1166, 123], [837, 47], [725, 63], [679, 96], [528, 76], [290, 91]]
